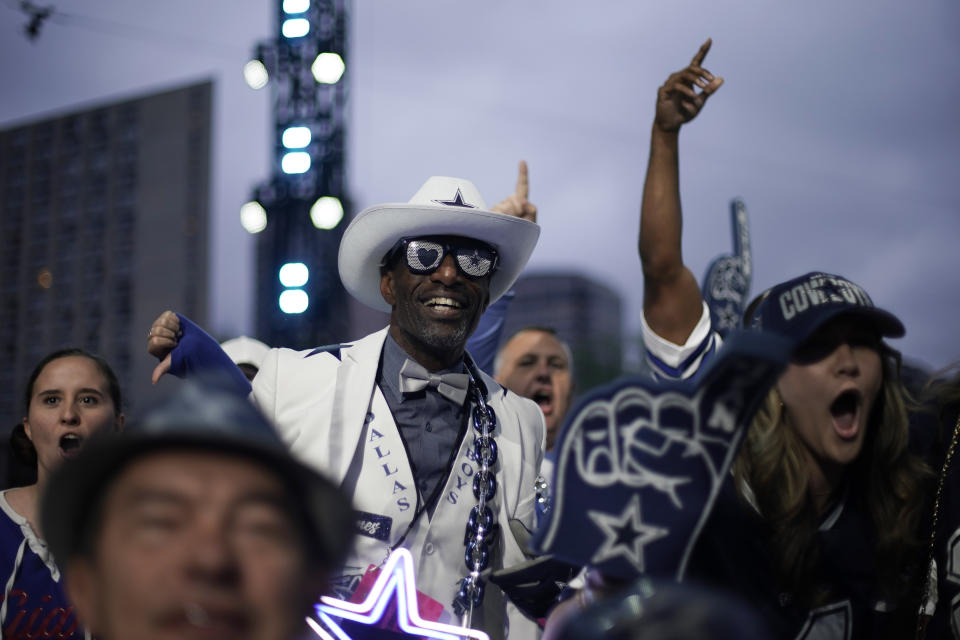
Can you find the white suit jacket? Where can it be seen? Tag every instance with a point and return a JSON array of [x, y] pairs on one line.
[[330, 411]]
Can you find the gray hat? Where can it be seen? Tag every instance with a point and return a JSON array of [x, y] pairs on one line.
[[204, 418], [245, 350]]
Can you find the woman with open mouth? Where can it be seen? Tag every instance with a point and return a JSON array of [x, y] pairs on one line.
[[822, 525], [70, 395]]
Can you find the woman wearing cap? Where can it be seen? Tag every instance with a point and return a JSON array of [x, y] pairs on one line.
[[70, 395], [821, 526]]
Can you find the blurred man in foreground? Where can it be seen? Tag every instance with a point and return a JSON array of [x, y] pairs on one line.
[[196, 523]]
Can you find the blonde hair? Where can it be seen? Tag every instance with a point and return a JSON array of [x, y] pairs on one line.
[[886, 480]]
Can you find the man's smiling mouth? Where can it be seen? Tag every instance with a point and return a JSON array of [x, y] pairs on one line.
[[443, 303]]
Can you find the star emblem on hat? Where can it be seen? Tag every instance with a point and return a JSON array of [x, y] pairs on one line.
[[626, 534], [456, 202], [830, 288]]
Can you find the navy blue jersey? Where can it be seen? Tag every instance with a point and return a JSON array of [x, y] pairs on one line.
[[668, 361], [734, 553], [34, 604]]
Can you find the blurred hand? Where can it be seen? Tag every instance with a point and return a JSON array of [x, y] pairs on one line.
[[163, 337], [516, 204], [596, 586], [678, 100]]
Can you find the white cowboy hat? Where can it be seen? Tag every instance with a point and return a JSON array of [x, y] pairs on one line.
[[245, 350], [442, 206]]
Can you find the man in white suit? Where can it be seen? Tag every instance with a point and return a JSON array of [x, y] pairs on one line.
[[409, 446]]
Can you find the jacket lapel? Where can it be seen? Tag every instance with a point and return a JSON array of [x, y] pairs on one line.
[[356, 379]]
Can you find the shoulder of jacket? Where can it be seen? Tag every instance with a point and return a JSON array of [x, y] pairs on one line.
[[525, 408], [334, 350], [326, 354]]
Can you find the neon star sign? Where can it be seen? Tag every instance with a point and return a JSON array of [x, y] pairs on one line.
[[395, 583]]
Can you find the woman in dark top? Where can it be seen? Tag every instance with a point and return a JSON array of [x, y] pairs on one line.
[[822, 523]]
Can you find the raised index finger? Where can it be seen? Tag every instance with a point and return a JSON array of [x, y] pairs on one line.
[[702, 53], [523, 181]]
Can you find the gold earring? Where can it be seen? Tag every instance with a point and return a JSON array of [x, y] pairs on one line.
[[780, 406]]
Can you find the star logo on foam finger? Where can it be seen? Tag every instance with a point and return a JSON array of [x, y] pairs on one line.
[[646, 459], [395, 585], [728, 317], [626, 534], [456, 202]]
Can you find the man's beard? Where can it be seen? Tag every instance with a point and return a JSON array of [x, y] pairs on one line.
[[435, 336], [453, 339]]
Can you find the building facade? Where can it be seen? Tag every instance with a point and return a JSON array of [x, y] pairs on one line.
[[587, 315], [103, 225]]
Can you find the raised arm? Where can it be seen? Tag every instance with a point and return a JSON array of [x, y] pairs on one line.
[[517, 204], [671, 296], [485, 341]]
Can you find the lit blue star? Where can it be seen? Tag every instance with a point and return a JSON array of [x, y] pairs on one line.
[[396, 580]]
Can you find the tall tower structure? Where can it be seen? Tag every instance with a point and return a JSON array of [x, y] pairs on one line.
[[297, 214]]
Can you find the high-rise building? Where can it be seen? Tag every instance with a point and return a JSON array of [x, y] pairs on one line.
[[103, 225], [585, 314]]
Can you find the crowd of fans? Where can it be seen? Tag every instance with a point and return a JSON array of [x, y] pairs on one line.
[[218, 516]]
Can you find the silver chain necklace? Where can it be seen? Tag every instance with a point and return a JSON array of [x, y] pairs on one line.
[[481, 527]]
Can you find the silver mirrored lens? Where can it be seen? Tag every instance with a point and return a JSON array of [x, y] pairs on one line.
[[423, 255], [474, 262]]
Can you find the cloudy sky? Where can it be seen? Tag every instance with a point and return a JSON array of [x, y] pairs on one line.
[[837, 125]]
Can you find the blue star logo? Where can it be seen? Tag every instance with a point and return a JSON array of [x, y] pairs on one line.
[[395, 584], [626, 534], [456, 202], [728, 316], [831, 288], [645, 460]]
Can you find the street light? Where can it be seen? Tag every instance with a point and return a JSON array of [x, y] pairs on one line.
[[294, 301], [253, 217], [295, 27], [255, 74], [295, 162], [296, 137], [327, 68], [295, 6], [294, 274], [326, 213]]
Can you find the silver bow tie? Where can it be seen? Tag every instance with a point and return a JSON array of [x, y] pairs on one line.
[[414, 377]]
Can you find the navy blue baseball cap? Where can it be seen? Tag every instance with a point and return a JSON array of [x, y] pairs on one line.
[[200, 417], [796, 308]]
